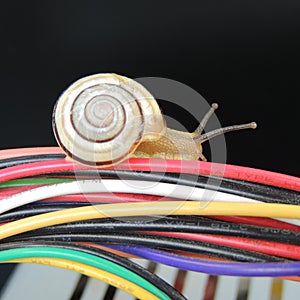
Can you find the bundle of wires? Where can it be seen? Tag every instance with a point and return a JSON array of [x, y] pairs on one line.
[[195, 216]]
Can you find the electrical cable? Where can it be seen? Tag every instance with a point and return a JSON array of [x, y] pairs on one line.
[[211, 287], [239, 182], [80, 287], [28, 182], [116, 252], [145, 208], [20, 152], [86, 259], [153, 165], [41, 208], [256, 191], [175, 227], [186, 224], [96, 251], [38, 168], [90, 271], [262, 246], [260, 192], [109, 185], [110, 293], [269, 194], [91, 198], [153, 241], [98, 198], [180, 280], [213, 267], [16, 161], [72, 198], [238, 229], [103, 198], [258, 221]]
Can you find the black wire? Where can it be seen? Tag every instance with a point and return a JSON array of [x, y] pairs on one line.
[[6, 271], [191, 224], [110, 293], [37, 209], [21, 160], [260, 192], [79, 288], [155, 280], [153, 241], [256, 191]]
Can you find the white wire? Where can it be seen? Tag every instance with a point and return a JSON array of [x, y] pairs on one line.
[[118, 186], [290, 221]]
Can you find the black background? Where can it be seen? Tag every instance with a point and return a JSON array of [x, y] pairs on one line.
[[242, 54]]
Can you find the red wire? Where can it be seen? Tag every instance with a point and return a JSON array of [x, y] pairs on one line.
[[93, 197], [38, 168], [159, 165], [220, 170], [180, 280], [258, 221], [127, 197], [263, 246], [211, 287]]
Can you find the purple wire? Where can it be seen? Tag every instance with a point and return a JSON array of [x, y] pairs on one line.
[[212, 267]]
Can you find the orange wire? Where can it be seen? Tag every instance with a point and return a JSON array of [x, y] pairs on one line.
[[117, 252]]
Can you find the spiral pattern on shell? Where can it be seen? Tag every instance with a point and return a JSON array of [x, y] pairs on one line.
[[101, 119]]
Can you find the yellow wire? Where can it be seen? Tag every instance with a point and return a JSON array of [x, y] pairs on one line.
[[105, 276], [146, 208], [277, 289]]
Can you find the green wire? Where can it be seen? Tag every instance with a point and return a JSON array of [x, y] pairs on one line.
[[32, 181], [84, 258]]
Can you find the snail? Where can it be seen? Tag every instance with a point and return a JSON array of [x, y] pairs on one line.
[[102, 119]]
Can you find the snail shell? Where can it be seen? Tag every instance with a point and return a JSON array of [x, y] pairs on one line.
[[101, 119]]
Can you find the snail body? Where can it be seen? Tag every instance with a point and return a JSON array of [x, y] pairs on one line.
[[173, 144], [101, 120]]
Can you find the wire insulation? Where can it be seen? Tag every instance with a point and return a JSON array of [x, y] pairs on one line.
[[183, 224], [98, 251], [109, 278], [83, 258], [109, 185], [157, 241], [159, 165], [212, 267], [240, 228], [140, 209]]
